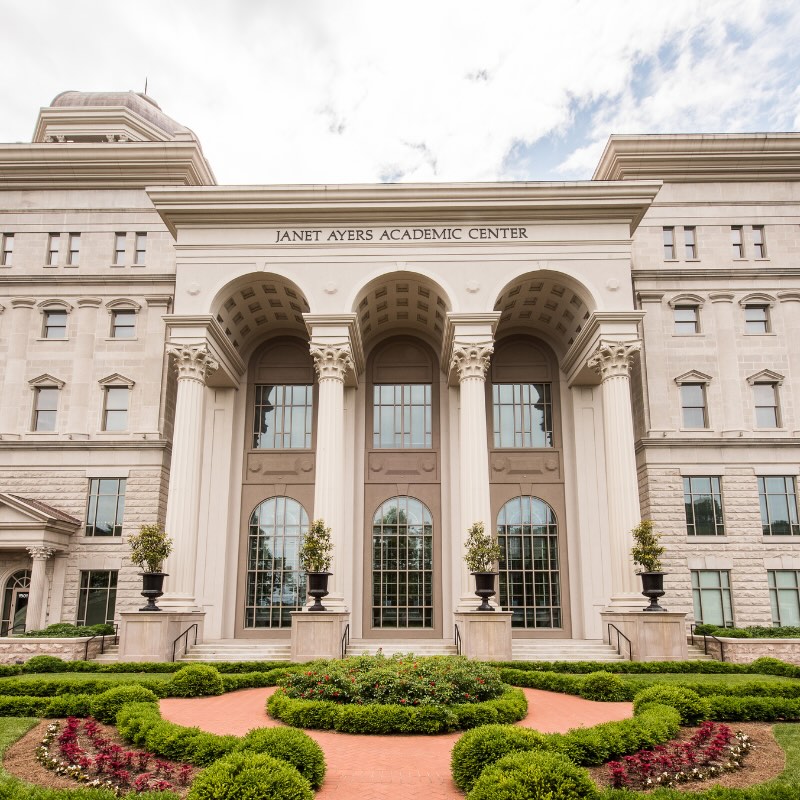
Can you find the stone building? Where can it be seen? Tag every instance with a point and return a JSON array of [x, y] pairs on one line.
[[556, 360]]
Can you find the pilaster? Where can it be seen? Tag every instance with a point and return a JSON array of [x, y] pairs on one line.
[[37, 600]]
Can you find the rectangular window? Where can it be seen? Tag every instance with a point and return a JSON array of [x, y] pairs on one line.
[[45, 408], [97, 597], [669, 244], [756, 319], [53, 247], [402, 416], [106, 507], [7, 250], [766, 403], [523, 415], [759, 242], [123, 324], [711, 592], [55, 324], [115, 411], [737, 241], [784, 596], [702, 499], [687, 319], [74, 252], [690, 242], [283, 417], [777, 496], [141, 249], [693, 405], [120, 240]]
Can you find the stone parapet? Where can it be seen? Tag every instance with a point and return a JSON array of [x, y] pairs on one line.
[[485, 635], [317, 634], [18, 649], [150, 635], [653, 635], [745, 651]]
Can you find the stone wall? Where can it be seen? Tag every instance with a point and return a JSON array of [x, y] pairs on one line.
[[16, 650], [745, 651]]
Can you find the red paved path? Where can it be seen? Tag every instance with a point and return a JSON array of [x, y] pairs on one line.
[[378, 767]]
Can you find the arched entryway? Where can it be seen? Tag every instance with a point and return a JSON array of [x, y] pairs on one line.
[[15, 602]]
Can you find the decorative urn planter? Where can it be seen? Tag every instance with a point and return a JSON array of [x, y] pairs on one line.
[[484, 588], [653, 587], [318, 588], [152, 589]]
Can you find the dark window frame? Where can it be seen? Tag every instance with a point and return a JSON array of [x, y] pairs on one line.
[[694, 494]]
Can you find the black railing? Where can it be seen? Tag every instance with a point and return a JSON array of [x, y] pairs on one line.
[[706, 637], [345, 640], [9, 631], [457, 639], [185, 637], [102, 637], [620, 637]]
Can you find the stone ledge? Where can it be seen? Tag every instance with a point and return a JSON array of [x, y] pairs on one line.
[[17, 650], [745, 651]]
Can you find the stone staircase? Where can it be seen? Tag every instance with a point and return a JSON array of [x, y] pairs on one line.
[[110, 656], [420, 647], [239, 650], [563, 650]]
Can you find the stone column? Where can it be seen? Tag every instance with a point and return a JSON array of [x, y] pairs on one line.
[[79, 417], [790, 307], [731, 384], [14, 380], [331, 362], [612, 360], [37, 599], [194, 364]]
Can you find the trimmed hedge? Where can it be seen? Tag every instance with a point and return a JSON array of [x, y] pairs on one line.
[[691, 707], [65, 705], [292, 746], [603, 686], [373, 718], [106, 705], [196, 680], [49, 687], [54, 664], [750, 632], [66, 630]]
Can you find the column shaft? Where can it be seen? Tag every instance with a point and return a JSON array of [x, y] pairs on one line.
[[14, 380], [37, 599], [78, 417], [728, 359]]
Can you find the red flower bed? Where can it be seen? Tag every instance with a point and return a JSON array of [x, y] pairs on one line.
[[713, 749]]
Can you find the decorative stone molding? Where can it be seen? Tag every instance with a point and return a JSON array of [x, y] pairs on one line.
[[40, 553], [331, 361], [471, 360], [22, 302], [614, 359], [686, 299], [721, 297], [88, 302], [192, 362], [46, 380], [790, 296], [766, 376], [757, 299], [693, 376]]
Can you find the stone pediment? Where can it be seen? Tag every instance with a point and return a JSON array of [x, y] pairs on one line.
[[25, 522], [693, 376]]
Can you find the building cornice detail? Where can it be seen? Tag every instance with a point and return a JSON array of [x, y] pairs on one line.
[[704, 274], [471, 360], [331, 361]]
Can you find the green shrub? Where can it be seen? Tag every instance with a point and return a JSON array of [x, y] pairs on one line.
[[290, 745], [690, 705], [604, 686], [196, 680], [755, 709], [534, 776], [44, 664], [66, 630], [69, 705], [774, 666], [50, 687], [254, 776], [106, 705], [548, 681]]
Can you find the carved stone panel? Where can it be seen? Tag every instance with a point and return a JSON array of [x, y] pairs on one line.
[[392, 466], [513, 467], [280, 467]]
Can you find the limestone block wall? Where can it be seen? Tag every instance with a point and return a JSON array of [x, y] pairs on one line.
[[18, 650], [745, 651]]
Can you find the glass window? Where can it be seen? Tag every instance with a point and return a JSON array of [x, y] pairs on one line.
[[283, 417], [7, 250], [106, 507], [702, 498], [766, 404], [687, 319], [711, 591], [123, 324], [784, 596], [669, 244], [756, 319], [759, 242], [693, 405], [401, 416], [53, 246], [523, 415], [55, 324], [737, 241], [74, 252], [115, 412], [690, 242], [777, 496], [97, 597], [141, 249], [276, 585], [45, 408], [15, 602], [119, 249]]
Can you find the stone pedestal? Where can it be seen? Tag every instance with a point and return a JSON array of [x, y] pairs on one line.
[[485, 635], [654, 635], [149, 635], [317, 634]]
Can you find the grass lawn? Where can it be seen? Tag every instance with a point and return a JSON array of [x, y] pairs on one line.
[[710, 679], [788, 736], [81, 677]]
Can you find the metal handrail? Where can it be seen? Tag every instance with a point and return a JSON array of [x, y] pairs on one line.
[[10, 631], [457, 639], [345, 640], [706, 637], [620, 635], [185, 635]]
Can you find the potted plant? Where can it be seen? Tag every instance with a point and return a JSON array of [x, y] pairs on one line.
[[315, 558], [646, 553], [482, 553], [149, 548]]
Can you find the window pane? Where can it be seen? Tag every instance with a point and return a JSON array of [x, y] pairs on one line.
[[523, 415], [282, 417], [402, 416]]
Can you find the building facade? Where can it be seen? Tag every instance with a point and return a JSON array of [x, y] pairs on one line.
[[555, 360]]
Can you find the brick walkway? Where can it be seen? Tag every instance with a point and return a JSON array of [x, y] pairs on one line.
[[378, 767]]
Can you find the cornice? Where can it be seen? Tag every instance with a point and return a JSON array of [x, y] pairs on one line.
[[67, 444], [86, 280], [680, 158], [716, 442], [717, 274], [220, 206]]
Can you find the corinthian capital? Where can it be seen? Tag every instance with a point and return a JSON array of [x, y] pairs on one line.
[[192, 362], [614, 359], [471, 360], [42, 553], [331, 360]]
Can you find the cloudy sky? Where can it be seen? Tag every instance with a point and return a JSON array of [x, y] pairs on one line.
[[288, 91]]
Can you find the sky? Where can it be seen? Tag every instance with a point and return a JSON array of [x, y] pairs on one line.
[[342, 91]]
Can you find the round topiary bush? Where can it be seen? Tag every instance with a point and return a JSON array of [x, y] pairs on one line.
[[196, 680], [290, 745], [44, 664], [254, 776], [689, 704], [483, 746], [605, 687], [104, 706], [534, 776]]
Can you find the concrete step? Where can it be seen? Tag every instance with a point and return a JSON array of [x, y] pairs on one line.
[[696, 653], [239, 650], [110, 656], [563, 650], [419, 647]]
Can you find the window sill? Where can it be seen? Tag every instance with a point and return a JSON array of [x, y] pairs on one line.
[[689, 335], [47, 339], [781, 538], [764, 333], [704, 538], [121, 339]]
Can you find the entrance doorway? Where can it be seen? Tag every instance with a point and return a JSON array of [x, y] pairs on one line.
[[15, 603]]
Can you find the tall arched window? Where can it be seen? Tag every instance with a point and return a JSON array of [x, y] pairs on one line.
[[530, 583], [402, 564], [275, 582], [15, 602]]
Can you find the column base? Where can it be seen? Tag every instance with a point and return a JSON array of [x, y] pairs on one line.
[[627, 601], [485, 635], [470, 602], [178, 603], [317, 634], [654, 635], [333, 602], [150, 635]]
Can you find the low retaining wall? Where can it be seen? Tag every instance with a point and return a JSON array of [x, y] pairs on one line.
[[18, 649], [744, 651]]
